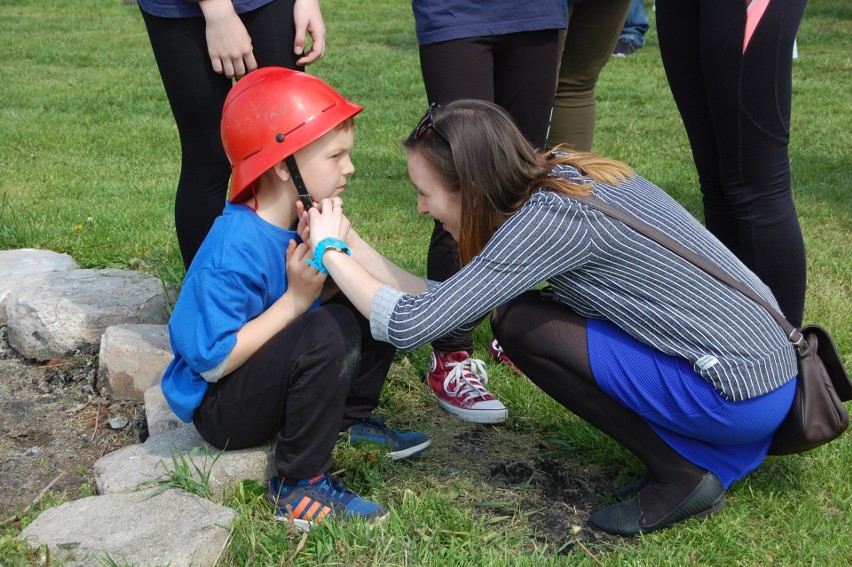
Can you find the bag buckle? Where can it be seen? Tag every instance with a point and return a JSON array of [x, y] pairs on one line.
[[798, 340]]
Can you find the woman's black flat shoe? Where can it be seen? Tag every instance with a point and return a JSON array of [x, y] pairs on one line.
[[630, 489], [625, 518]]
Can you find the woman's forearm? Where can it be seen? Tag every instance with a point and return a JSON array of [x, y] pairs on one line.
[[354, 281], [383, 269]]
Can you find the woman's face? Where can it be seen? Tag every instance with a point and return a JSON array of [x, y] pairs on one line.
[[432, 198]]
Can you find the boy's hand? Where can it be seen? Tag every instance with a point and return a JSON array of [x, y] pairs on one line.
[[303, 229], [304, 282]]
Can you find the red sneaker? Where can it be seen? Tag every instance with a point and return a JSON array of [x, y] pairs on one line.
[[459, 383], [498, 355]]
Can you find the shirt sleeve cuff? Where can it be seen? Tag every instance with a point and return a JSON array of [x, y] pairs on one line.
[[215, 373], [381, 310]]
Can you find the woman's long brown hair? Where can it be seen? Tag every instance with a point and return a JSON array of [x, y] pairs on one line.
[[482, 155]]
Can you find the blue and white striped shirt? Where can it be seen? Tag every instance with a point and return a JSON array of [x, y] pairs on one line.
[[602, 268]]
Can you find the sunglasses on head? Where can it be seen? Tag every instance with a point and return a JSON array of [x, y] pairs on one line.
[[426, 123]]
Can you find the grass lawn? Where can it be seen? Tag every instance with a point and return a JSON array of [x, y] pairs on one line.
[[90, 158]]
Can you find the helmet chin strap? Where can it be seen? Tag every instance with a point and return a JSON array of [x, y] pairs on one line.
[[304, 196]]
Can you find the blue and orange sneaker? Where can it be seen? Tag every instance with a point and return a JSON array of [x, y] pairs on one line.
[[309, 501], [401, 445]]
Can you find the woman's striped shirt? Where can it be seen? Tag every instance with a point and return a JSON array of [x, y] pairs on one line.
[[601, 268]]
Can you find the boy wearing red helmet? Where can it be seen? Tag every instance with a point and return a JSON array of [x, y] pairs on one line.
[[260, 350]]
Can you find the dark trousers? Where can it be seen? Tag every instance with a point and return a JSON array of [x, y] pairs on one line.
[[736, 110], [312, 380], [196, 95], [516, 71], [585, 47]]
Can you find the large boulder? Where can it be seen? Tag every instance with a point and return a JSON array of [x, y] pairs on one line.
[[138, 467], [29, 268], [173, 528], [70, 312]]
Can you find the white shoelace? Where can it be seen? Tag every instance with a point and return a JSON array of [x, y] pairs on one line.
[[467, 388]]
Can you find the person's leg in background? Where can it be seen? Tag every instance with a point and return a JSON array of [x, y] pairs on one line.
[[454, 70], [633, 33], [735, 107], [196, 95], [524, 68], [515, 71], [593, 29]]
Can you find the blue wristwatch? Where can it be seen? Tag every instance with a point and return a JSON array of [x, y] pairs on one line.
[[324, 245]]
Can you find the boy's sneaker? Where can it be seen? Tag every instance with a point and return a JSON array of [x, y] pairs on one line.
[[499, 356], [311, 500], [401, 445], [623, 49], [459, 383]]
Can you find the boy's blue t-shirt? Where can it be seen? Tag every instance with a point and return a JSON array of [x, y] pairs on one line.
[[237, 274], [445, 20], [190, 9]]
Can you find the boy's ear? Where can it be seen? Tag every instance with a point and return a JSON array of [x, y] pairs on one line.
[[281, 170]]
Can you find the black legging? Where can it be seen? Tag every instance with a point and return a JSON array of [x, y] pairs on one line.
[[736, 110], [516, 71], [196, 94]]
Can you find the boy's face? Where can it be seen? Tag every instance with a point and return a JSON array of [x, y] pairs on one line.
[[325, 164]]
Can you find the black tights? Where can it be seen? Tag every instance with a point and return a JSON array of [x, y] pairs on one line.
[[196, 95], [548, 342]]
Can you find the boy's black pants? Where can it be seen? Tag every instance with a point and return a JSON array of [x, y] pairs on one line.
[[305, 385]]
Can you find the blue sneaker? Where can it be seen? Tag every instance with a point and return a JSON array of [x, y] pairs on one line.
[[311, 500], [401, 445]]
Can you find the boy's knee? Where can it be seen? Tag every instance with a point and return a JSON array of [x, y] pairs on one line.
[[338, 334]]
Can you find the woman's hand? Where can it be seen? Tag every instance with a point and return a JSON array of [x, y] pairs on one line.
[[228, 42], [307, 17], [327, 220], [304, 282]]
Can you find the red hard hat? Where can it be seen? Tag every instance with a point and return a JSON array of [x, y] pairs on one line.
[[272, 113]]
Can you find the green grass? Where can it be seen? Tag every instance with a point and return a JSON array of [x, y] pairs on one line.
[[90, 157]]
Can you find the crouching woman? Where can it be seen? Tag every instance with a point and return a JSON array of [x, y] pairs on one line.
[[685, 372]]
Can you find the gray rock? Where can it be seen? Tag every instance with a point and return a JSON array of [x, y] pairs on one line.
[[29, 268], [70, 313], [133, 358], [130, 468], [159, 416], [119, 422], [172, 528]]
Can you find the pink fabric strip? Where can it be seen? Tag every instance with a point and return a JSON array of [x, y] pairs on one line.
[[754, 13]]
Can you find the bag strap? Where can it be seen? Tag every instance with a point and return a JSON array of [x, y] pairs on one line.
[[668, 242]]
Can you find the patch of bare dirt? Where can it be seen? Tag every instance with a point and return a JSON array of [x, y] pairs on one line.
[[55, 422], [556, 492]]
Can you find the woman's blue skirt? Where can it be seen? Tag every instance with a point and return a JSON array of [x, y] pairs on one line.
[[728, 438]]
